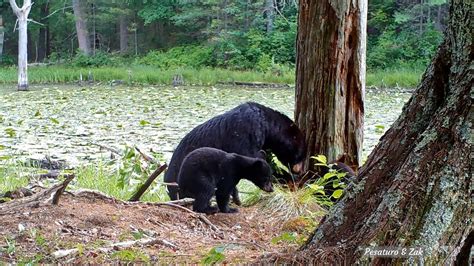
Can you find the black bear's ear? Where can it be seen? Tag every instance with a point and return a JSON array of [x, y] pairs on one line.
[[262, 154]]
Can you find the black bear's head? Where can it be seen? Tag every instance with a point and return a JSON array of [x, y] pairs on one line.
[[290, 147], [261, 175]]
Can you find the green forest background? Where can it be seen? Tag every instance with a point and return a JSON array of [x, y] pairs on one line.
[[229, 34]]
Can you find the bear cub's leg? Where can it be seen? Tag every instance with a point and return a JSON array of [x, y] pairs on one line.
[[223, 197], [202, 203]]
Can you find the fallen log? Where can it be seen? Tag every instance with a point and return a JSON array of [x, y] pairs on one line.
[[174, 204], [43, 197], [120, 245], [254, 84]]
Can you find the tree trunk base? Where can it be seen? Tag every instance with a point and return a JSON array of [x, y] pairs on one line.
[[23, 87]]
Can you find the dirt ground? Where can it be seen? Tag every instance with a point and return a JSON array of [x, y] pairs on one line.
[[96, 230]]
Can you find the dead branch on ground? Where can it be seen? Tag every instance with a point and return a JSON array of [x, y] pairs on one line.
[[36, 199]]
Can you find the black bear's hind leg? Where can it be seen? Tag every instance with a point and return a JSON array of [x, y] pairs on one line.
[[236, 197]]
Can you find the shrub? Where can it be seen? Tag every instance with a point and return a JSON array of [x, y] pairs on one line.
[[190, 55], [7, 60], [99, 59]]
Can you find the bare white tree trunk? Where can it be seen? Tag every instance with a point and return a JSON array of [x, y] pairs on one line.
[[22, 16]]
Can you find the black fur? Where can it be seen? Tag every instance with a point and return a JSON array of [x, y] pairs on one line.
[[247, 129], [206, 172]]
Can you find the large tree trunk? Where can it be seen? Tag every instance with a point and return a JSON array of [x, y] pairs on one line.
[[416, 186], [22, 16], [123, 21], [81, 27], [330, 79]]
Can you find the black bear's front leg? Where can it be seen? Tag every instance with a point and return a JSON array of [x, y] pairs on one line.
[[222, 198], [235, 197]]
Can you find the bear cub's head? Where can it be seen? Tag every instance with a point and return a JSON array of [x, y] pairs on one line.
[[260, 173]]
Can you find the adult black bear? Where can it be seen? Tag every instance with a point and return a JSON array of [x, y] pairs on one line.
[[245, 130], [208, 171]]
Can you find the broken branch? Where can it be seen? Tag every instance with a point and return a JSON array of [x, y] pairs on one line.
[[144, 187], [61, 189]]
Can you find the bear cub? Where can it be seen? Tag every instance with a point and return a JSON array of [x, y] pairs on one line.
[[206, 172]]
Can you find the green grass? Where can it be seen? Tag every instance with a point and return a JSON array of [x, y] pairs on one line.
[[12, 177], [141, 75], [146, 75], [391, 78], [103, 178], [99, 177]]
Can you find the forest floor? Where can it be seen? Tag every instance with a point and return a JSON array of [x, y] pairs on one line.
[[90, 228]]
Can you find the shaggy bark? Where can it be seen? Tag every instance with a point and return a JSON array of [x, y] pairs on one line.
[[330, 79], [22, 17], [416, 186]]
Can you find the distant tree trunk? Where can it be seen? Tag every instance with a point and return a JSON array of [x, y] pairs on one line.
[[2, 32], [416, 187], [95, 42], [81, 27], [421, 16], [44, 35], [270, 15], [22, 16], [123, 34], [330, 79]]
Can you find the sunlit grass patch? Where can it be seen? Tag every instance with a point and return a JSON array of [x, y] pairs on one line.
[[142, 75], [107, 179], [282, 202], [12, 177]]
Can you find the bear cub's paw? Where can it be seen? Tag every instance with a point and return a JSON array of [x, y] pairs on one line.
[[230, 210]]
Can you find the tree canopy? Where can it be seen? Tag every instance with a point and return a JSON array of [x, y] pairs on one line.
[[238, 34]]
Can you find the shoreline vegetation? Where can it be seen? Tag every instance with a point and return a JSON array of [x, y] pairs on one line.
[[149, 75]]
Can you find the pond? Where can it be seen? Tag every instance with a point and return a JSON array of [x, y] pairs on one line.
[[67, 122]]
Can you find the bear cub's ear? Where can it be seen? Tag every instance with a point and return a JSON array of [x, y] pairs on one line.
[[262, 154]]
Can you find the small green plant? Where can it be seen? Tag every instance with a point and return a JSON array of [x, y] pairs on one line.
[[379, 129], [11, 132], [133, 168], [215, 255], [285, 237], [333, 179], [39, 239], [11, 246], [132, 255]]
